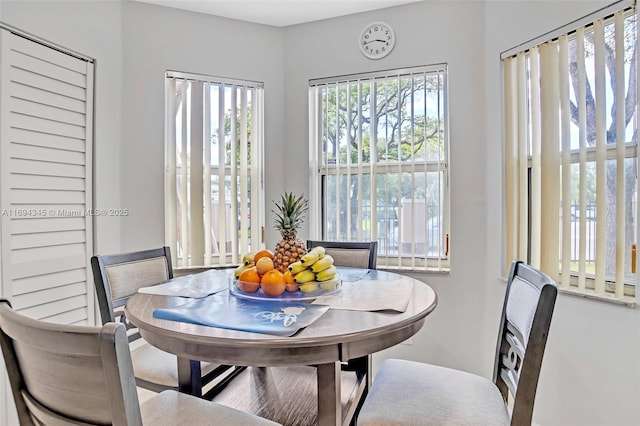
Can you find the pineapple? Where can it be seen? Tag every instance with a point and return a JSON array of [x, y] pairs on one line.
[[289, 217]]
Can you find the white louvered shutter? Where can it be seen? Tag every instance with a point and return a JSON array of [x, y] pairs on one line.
[[46, 116]]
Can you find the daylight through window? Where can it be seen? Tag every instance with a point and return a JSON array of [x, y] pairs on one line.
[[571, 156], [379, 161], [213, 190]]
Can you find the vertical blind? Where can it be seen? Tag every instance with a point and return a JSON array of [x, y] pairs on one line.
[[214, 182], [379, 163], [571, 159]]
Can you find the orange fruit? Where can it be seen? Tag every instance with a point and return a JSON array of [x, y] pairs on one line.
[[288, 280], [250, 275], [272, 283], [248, 287], [264, 265], [291, 287], [288, 277], [262, 253]]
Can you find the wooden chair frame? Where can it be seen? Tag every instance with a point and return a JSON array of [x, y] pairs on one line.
[[109, 343], [109, 313], [372, 246], [82, 375], [514, 372], [444, 395]]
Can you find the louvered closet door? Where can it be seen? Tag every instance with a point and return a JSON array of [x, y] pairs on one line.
[[46, 104]]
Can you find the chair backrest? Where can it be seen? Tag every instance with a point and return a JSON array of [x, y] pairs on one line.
[[356, 254], [524, 326], [68, 374], [119, 276]]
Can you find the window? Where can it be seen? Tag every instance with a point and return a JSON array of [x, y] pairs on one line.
[[571, 156], [379, 150], [214, 184]]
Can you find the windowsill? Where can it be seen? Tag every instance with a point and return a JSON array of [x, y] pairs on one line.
[[627, 301], [427, 271]]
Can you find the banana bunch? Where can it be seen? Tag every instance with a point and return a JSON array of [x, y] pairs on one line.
[[247, 262], [313, 269]]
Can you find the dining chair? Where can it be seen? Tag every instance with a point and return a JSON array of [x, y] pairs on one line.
[[414, 393], [77, 375], [118, 277], [355, 254]]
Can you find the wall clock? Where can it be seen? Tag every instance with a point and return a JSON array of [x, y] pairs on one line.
[[377, 40]]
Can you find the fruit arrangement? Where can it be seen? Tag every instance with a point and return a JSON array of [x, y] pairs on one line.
[[289, 267], [314, 271]]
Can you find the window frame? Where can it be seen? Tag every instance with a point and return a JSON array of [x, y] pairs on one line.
[[319, 170], [251, 193], [630, 151]]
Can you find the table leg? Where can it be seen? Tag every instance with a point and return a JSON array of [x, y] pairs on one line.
[[362, 367], [189, 377], [329, 394]]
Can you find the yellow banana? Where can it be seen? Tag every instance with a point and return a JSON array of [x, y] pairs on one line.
[[319, 249], [309, 287], [323, 263], [240, 269], [248, 258], [304, 276], [327, 274], [310, 258], [297, 267]]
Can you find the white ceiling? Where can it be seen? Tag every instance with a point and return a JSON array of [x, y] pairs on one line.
[[279, 13]]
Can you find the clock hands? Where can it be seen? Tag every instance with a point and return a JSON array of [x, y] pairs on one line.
[[371, 41]]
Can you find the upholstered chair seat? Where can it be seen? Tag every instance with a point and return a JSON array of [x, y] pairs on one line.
[[174, 408], [411, 393], [79, 375]]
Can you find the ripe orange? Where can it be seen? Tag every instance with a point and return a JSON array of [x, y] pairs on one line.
[[292, 287], [264, 265], [272, 283], [248, 287], [262, 253], [288, 277], [250, 275]]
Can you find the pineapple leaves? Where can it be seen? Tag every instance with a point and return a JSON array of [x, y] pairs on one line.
[[290, 211]]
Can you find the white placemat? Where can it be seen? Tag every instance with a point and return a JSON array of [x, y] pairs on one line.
[[195, 286], [368, 295]]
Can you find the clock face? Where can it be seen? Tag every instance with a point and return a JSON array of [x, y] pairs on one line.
[[377, 40]]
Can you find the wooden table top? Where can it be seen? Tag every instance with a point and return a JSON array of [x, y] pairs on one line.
[[338, 335]]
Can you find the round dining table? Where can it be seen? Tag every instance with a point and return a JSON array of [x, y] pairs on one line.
[[323, 347]]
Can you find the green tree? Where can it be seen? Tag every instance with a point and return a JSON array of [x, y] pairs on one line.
[[383, 122], [630, 52]]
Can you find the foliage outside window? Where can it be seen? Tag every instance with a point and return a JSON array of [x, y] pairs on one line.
[[571, 156], [213, 189], [379, 161]]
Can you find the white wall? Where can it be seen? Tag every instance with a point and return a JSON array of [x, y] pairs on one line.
[[158, 39], [591, 373], [426, 33]]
